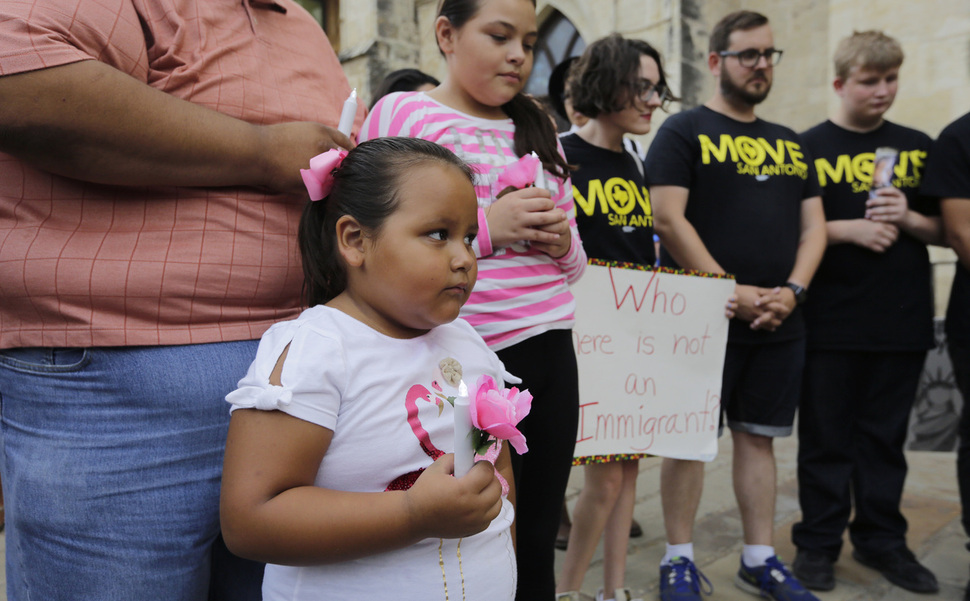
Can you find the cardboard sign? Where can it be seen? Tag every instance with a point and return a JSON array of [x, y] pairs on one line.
[[650, 346]]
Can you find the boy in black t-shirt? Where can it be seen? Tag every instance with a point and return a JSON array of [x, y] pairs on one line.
[[735, 194], [948, 178], [869, 322]]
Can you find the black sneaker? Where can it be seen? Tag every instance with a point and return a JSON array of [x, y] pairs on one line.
[[636, 531], [815, 570], [900, 567]]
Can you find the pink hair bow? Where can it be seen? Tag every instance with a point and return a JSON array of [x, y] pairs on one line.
[[518, 175], [318, 179]]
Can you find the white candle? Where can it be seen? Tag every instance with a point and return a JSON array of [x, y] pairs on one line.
[[540, 181], [464, 454], [348, 114]]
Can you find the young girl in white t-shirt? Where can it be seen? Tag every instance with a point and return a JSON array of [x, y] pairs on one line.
[[528, 248], [338, 469]]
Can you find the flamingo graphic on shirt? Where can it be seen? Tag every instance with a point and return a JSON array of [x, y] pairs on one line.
[[406, 481], [415, 393]]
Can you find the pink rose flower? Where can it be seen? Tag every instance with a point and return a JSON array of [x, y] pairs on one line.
[[497, 411]]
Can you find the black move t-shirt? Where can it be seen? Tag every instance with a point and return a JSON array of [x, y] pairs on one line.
[[746, 185], [861, 299], [613, 210], [948, 176]]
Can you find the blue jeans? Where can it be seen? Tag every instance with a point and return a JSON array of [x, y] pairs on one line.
[[111, 469]]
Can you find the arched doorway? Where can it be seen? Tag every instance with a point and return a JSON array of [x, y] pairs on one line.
[[558, 40]]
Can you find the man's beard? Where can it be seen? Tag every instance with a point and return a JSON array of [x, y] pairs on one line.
[[730, 90]]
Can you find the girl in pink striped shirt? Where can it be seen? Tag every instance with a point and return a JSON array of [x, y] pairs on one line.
[[528, 248]]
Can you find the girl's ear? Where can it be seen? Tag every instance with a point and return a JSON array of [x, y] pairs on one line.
[[350, 241], [445, 34]]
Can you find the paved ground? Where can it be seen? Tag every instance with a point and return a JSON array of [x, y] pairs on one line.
[[931, 504]]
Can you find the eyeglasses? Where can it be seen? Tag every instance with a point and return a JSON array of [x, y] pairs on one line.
[[644, 91], [749, 58]]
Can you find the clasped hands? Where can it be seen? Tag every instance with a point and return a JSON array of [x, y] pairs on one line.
[[529, 214], [884, 213], [764, 308]]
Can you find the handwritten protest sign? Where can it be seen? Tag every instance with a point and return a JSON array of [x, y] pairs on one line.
[[650, 346]]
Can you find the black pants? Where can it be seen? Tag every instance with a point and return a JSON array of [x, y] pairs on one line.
[[852, 424], [960, 358], [547, 365]]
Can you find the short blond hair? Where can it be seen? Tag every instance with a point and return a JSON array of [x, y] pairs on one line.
[[868, 50]]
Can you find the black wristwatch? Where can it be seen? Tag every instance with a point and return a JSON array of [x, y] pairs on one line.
[[800, 292]]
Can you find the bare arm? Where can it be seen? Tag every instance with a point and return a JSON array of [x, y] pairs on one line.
[[684, 244], [272, 512], [875, 236], [956, 222], [89, 121], [927, 229], [811, 247], [677, 234], [811, 243]]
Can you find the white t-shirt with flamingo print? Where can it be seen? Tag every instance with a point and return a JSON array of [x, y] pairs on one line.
[[386, 400]]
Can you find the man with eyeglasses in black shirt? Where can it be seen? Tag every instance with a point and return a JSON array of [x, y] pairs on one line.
[[735, 194]]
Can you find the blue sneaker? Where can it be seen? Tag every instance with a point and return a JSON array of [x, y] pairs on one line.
[[680, 580], [772, 580]]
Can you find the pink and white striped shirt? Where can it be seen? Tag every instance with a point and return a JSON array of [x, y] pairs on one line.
[[520, 292]]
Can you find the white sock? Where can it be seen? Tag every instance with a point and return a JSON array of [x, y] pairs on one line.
[[685, 550], [601, 596], [755, 556]]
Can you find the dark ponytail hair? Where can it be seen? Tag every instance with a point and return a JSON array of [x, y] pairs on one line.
[[534, 129], [365, 187]]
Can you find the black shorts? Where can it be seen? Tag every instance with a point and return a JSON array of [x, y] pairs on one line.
[[761, 386]]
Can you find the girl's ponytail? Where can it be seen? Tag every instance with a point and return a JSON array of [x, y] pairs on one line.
[[323, 275], [534, 132]]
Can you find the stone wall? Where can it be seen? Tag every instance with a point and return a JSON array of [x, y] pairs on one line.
[[376, 37]]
